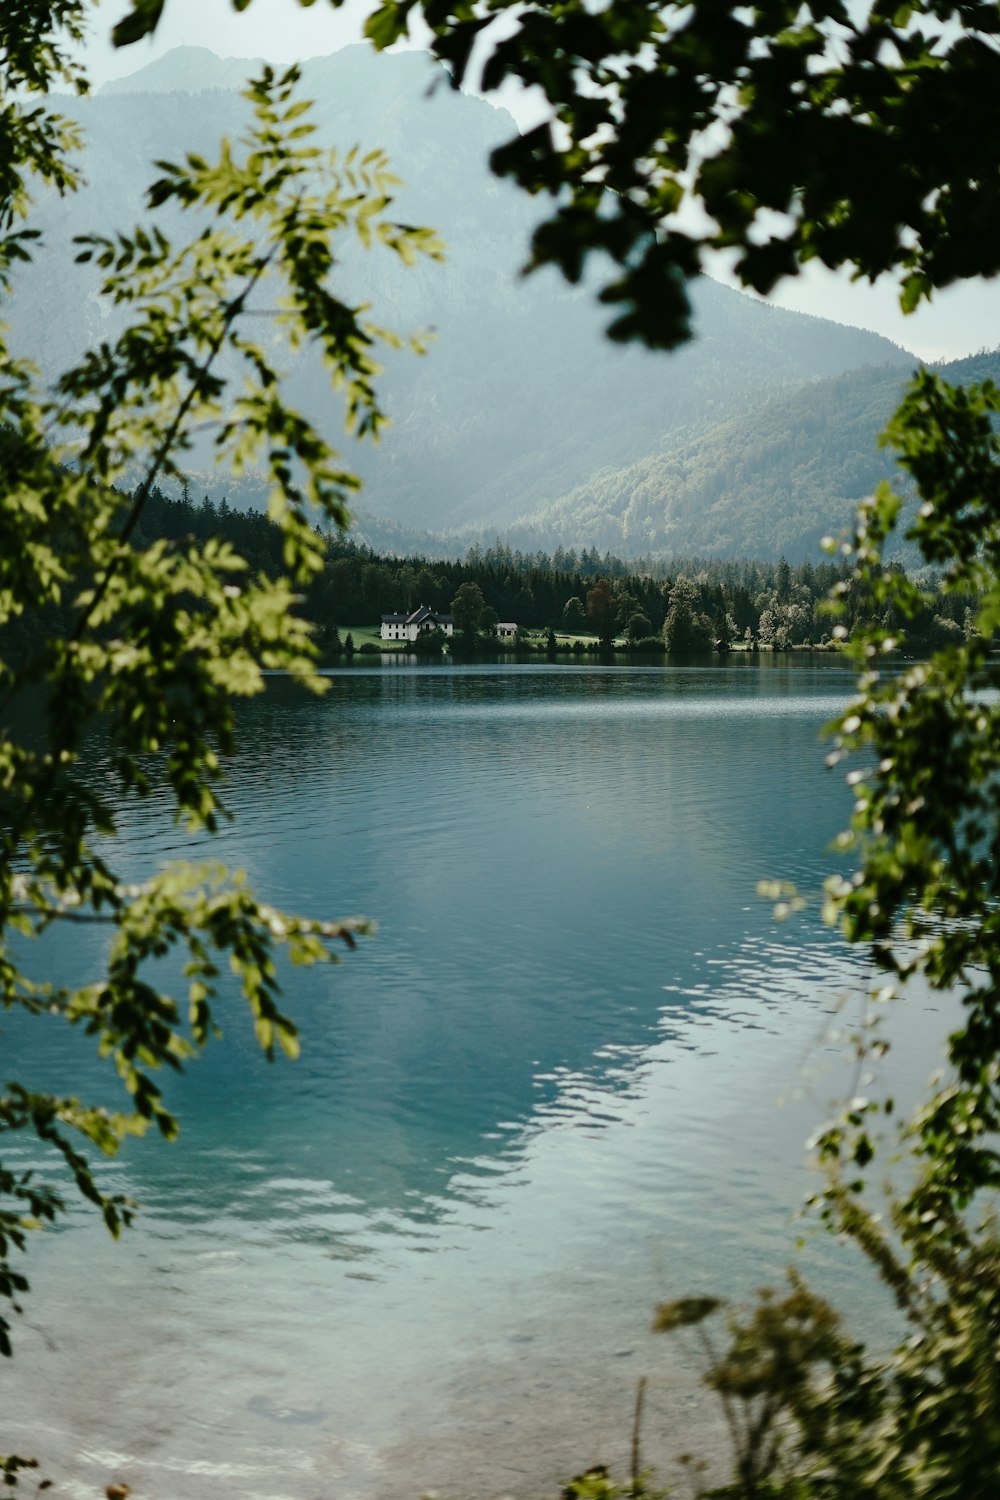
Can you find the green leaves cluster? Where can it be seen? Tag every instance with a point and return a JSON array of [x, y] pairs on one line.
[[811, 1416], [36, 42], [161, 638], [926, 824]]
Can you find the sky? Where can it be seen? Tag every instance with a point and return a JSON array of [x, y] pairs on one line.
[[959, 321]]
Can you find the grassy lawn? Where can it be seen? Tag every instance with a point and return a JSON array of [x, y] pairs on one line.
[[362, 633]]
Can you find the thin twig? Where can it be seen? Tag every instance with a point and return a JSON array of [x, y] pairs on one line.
[[640, 1396], [737, 1438], [64, 914]]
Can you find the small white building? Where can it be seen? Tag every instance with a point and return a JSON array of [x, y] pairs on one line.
[[420, 622], [506, 631]]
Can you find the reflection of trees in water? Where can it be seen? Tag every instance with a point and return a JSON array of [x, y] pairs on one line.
[[552, 856]]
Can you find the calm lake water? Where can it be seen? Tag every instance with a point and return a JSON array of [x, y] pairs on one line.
[[542, 1098]]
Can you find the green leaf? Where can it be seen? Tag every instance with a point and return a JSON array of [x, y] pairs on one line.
[[142, 20]]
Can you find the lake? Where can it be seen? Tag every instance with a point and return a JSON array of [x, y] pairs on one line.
[[570, 1076]]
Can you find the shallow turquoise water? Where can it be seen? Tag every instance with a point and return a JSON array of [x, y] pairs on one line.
[[540, 1099]]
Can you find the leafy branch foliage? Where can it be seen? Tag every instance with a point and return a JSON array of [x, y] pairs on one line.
[[158, 637], [36, 41], [926, 826]]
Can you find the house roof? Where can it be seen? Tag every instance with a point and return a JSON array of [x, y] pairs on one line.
[[420, 615]]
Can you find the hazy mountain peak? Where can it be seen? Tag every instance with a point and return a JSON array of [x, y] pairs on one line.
[[186, 70], [353, 82]]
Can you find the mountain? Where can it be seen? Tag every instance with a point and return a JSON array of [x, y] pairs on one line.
[[186, 70], [772, 480], [521, 399], [791, 468]]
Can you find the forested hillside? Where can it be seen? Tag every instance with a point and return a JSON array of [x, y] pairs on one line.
[[774, 479], [521, 398]]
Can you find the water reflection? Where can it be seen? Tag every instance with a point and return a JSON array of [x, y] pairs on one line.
[[574, 1018], [547, 852]]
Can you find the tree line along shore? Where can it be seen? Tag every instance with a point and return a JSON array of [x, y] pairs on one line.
[[567, 602]]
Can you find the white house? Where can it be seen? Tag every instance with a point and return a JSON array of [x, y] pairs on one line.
[[506, 630], [409, 627]]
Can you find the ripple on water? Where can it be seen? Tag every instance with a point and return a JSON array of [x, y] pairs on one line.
[[540, 1100]]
